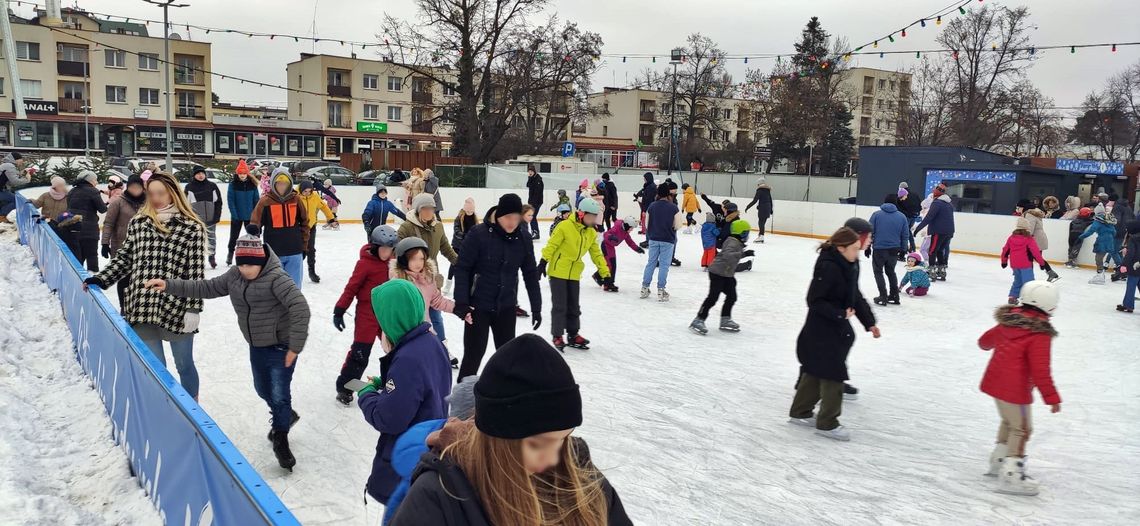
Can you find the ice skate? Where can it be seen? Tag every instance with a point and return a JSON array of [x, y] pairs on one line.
[[281, 449], [688, 230], [1098, 279], [229, 258], [560, 344], [644, 292], [1122, 308], [447, 286], [698, 326], [806, 422], [727, 325], [1116, 276], [759, 239], [578, 342], [880, 300], [292, 422], [893, 299], [999, 452], [1013, 480], [313, 274], [676, 262], [451, 358], [1071, 264], [344, 398], [850, 392], [598, 279], [662, 295], [840, 433], [610, 287], [1053, 276]]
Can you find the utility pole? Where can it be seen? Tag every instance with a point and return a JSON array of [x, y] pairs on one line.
[[168, 63], [13, 68], [674, 59]]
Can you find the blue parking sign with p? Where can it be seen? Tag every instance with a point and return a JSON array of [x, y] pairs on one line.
[[567, 149]]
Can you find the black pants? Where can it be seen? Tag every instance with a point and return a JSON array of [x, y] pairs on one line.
[[689, 221], [717, 285], [609, 216], [86, 251], [501, 324], [237, 226], [940, 249], [565, 312], [883, 261], [311, 255], [534, 220], [762, 219], [1075, 245], [354, 365]]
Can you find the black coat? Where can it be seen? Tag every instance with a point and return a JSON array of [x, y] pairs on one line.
[[763, 201], [85, 200], [441, 495], [487, 272], [611, 197], [648, 193], [911, 206], [534, 188], [827, 336]]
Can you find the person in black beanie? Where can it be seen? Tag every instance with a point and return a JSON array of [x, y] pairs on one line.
[[487, 281], [527, 404]]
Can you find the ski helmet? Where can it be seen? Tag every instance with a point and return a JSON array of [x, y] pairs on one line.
[[589, 206], [563, 208], [383, 236], [630, 222], [409, 243], [1040, 294], [739, 226]]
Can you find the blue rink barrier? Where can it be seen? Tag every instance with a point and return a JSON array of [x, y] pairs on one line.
[[189, 468]]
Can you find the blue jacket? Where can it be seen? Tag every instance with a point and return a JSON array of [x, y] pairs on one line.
[[416, 379], [376, 213], [409, 448], [659, 224], [709, 233], [940, 218], [1105, 236], [241, 198], [916, 277], [890, 228]]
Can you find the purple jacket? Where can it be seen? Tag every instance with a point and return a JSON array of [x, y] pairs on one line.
[[416, 379], [614, 237]]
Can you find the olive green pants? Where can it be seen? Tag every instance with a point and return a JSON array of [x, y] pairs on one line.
[[827, 393]]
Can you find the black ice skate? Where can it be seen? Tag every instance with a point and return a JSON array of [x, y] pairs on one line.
[[727, 325], [610, 287], [213, 262], [294, 420], [281, 449], [676, 262], [578, 342], [880, 300], [1053, 276], [598, 279], [893, 299], [698, 326], [850, 392], [344, 398]]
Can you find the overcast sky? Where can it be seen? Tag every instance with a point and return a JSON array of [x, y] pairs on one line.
[[650, 26]]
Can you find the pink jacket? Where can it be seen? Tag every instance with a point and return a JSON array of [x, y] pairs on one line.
[[1017, 251], [329, 200], [614, 237], [425, 281]]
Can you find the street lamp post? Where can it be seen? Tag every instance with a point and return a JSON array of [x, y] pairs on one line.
[[674, 59], [166, 5]]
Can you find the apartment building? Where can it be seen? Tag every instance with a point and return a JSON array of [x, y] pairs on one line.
[[82, 66], [877, 98], [643, 116]]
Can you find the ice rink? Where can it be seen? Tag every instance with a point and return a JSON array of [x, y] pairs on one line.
[[692, 430]]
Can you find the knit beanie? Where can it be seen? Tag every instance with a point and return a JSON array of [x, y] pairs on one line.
[[1023, 224], [526, 389], [424, 200], [250, 251], [399, 308], [508, 204], [903, 193], [904, 185], [58, 181], [89, 176], [860, 226], [462, 398]]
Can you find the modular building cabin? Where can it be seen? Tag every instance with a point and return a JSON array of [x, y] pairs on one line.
[[978, 181]]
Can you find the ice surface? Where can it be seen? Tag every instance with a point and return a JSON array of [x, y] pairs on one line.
[[692, 430], [58, 463]]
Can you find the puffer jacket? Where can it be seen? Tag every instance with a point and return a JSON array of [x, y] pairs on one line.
[[1072, 207], [205, 199], [283, 220], [459, 228], [564, 250], [915, 276], [425, 282], [434, 235], [50, 207], [940, 217], [259, 303], [1036, 218], [1018, 250], [729, 256], [242, 197], [1105, 236], [689, 203], [1021, 343], [85, 200], [890, 228], [376, 213], [119, 215], [10, 176], [314, 203], [615, 236], [487, 273]]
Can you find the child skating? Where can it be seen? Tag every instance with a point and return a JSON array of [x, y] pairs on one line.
[[722, 279], [563, 214], [572, 240], [370, 272], [412, 264], [1105, 246], [563, 199], [614, 237], [1019, 252], [709, 234], [915, 276], [1021, 343]]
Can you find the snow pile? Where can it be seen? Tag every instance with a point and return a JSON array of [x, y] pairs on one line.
[[58, 463]]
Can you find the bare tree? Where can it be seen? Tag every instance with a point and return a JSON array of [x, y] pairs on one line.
[[924, 116], [984, 67], [1105, 123], [1036, 125], [1126, 88]]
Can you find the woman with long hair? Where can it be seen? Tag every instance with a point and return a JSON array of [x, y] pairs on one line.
[[165, 240], [822, 346], [519, 464]]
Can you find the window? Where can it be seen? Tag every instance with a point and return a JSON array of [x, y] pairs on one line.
[[394, 84], [418, 115], [880, 103], [892, 85], [28, 51], [115, 58], [448, 90], [892, 104], [371, 82], [72, 53], [882, 84], [868, 85], [32, 89], [117, 94], [148, 96], [72, 90], [727, 114], [724, 134], [890, 125], [876, 142], [605, 131], [300, 84], [878, 123], [371, 112], [300, 109], [1, 86], [188, 104], [394, 112], [148, 61]]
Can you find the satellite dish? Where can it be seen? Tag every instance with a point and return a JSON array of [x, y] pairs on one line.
[[175, 36]]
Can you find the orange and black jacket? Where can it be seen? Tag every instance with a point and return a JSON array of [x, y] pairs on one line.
[[283, 221]]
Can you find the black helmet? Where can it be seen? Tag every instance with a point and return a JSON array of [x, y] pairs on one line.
[[406, 244], [384, 236]]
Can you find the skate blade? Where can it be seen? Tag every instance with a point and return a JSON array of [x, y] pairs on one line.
[[1021, 493], [837, 438], [695, 330], [803, 422], [850, 397], [579, 347], [990, 475], [726, 329]]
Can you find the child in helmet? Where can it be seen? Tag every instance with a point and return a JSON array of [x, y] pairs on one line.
[[612, 238], [915, 276], [572, 239], [722, 279], [1105, 243], [1020, 251], [563, 214], [370, 272], [412, 263], [710, 232], [563, 199], [1021, 343]]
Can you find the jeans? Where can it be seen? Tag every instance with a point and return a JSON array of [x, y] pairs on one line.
[[883, 262], [183, 351], [271, 380], [293, 267], [660, 257], [534, 222], [212, 238], [8, 203], [1021, 276], [1130, 290], [437, 323]]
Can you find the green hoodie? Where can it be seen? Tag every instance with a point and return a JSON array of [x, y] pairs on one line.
[[399, 307]]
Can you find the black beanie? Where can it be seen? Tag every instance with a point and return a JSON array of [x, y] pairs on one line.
[[662, 190], [508, 204], [526, 389]]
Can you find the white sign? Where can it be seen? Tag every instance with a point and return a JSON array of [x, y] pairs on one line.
[[142, 113]]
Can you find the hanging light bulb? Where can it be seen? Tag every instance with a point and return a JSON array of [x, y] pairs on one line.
[[654, 60], [1032, 51], [880, 54], [954, 54], [891, 38], [904, 33], [938, 21], [1114, 48], [922, 22], [746, 58], [623, 60], [1072, 49], [876, 44], [961, 10], [917, 54]]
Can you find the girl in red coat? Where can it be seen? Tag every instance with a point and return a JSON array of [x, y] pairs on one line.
[[1020, 251], [1021, 343], [371, 271]]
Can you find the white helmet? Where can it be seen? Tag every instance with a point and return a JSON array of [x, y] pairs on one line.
[[630, 221], [1041, 294]]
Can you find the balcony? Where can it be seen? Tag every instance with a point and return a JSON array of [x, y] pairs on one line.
[[336, 90], [422, 127], [340, 123], [71, 105], [558, 108], [186, 76], [70, 68], [648, 116], [421, 97], [190, 112], [646, 140]]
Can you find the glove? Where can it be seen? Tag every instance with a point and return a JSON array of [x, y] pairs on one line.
[[640, 250], [1136, 265], [536, 318], [749, 253], [253, 230], [461, 310], [106, 252], [95, 281], [542, 268], [338, 319], [372, 387], [1004, 264], [900, 256], [190, 321], [867, 253]]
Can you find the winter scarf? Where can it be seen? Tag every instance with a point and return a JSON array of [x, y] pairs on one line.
[[166, 213]]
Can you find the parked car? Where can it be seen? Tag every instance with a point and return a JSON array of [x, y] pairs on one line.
[[368, 178], [218, 176], [262, 163], [339, 174], [301, 167], [177, 167]]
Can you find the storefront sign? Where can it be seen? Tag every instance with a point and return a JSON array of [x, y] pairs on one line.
[[142, 113], [1089, 166], [372, 127], [39, 107]]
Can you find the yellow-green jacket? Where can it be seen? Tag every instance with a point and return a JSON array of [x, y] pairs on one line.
[[565, 248]]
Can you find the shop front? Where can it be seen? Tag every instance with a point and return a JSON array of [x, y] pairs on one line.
[[187, 141], [266, 144]]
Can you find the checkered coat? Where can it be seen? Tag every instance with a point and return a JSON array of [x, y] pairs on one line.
[[147, 254]]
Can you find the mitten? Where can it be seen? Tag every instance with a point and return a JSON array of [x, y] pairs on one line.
[[106, 252], [542, 268], [190, 322]]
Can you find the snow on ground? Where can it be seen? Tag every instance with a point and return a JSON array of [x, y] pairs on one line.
[[692, 430], [58, 463]]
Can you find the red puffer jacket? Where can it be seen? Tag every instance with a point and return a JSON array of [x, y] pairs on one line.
[[1021, 341], [1017, 251], [369, 273]]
